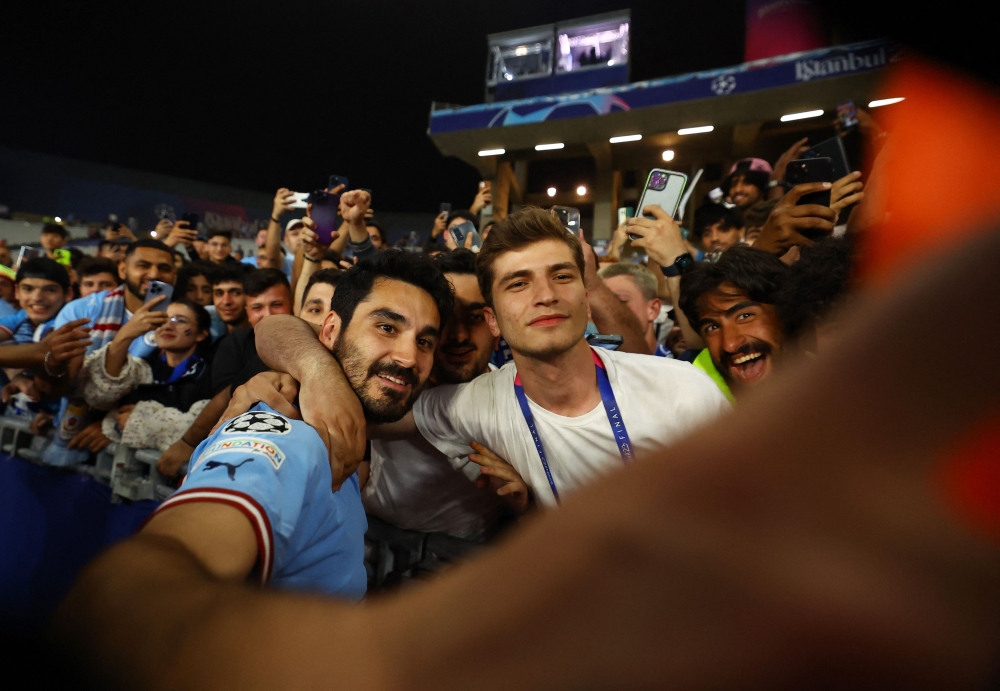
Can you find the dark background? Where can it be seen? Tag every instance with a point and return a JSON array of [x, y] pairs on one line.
[[265, 95]]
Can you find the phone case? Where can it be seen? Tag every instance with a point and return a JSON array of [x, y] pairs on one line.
[[155, 290], [664, 188]]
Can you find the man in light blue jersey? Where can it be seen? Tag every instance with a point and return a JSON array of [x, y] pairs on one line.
[[257, 499]]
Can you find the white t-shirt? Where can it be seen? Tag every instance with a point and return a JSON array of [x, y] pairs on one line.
[[661, 401], [414, 486]]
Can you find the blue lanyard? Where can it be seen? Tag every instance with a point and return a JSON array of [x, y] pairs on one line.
[[610, 407]]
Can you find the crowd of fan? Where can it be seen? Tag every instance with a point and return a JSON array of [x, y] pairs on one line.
[[411, 350]]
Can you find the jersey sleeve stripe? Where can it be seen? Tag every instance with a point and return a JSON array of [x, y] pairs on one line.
[[250, 508]]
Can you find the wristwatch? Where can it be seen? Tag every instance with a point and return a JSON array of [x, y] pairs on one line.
[[680, 266], [771, 184]]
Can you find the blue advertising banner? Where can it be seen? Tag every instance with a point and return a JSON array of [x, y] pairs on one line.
[[752, 76]]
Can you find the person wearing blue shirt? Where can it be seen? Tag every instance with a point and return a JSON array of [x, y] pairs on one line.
[[257, 499]]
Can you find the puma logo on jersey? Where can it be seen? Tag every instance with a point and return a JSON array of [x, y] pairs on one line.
[[212, 465]]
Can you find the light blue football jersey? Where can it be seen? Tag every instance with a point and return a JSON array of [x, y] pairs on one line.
[[276, 471]]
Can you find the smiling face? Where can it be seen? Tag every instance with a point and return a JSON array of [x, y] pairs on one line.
[[230, 302], [40, 298], [219, 247], [466, 344], [742, 193], [180, 332], [387, 350], [742, 336], [718, 238], [146, 264], [539, 300]]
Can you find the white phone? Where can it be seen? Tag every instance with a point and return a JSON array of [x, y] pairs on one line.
[[300, 200], [664, 189]]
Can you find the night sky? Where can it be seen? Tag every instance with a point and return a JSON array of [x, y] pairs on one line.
[[263, 95]]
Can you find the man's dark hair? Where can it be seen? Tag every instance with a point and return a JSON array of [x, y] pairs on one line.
[[756, 216], [710, 214], [758, 274], [515, 232], [259, 280], [464, 214], [328, 276], [372, 223], [332, 256], [44, 268], [149, 243], [459, 261], [230, 272], [357, 282], [815, 283], [228, 234], [202, 318], [54, 228], [91, 266]]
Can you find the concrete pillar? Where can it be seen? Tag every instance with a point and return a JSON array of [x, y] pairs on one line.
[[603, 193]]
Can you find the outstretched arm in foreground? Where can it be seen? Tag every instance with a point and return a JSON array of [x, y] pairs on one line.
[[803, 539]]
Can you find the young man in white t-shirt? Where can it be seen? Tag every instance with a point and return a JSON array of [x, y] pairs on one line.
[[530, 271]]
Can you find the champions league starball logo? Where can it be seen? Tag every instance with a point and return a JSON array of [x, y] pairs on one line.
[[260, 422], [723, 84]]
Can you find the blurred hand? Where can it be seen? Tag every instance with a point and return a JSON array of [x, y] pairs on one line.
[[353, 206], [283, 200], [276, 389], [173, 458], [783, 228], [590, 277], [660, 236], [484, 197], [180, 232], [618, 241], [440, 223], [499, 476], [311, 246], [65, 343], [793, 153], [144, 319], [20, 384], [846, 191], [90, 437], [122, 416], [40, 423]]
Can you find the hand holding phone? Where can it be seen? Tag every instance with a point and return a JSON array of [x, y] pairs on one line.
[[158, 289], [807, 170], [792, 223], [297, 200], [465, 235], [322, 209], [658, 233], [664, 188]]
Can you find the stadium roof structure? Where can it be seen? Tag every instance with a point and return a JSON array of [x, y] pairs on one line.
[[744, 106]]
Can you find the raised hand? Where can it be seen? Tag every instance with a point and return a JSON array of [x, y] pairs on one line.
[[846, 191], [440, 222], [499, 476], [144, 319], [354, 205], [785, 226], [283, 200], [484, 197], [180, 232], [65, 343], [660, 236], [794, 152]]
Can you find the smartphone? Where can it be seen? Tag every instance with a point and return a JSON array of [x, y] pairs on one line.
[[811, 170], [338, 180], [832, 148], [570, 218], [192, 220], [625, 213], [155, 290], [445, 208], [847, 115], [301, 200], [461, 231], [664, 188], [324, 214], [609, 341], [63, 257]]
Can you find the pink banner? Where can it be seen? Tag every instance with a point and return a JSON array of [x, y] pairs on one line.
[[780, 27]]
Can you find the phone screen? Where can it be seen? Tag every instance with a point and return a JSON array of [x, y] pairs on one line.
[[324, 214], [847, 115], [155, 290], [569, 216]]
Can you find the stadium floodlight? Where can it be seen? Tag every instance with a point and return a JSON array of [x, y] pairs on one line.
[[549, 147], [626, 138], [492, 152], [801, 116], [696, 130]]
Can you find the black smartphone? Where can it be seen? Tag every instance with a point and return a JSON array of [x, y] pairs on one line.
[[460, 231], [811, 170], [832, 148], [338, 180], [192, 220], [609, 341], [569, 216], [324, 214], [445, 208]]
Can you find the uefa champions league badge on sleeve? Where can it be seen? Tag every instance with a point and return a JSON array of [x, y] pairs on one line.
[[258, 422]]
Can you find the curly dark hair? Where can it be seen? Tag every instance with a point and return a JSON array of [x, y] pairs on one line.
[[815, 283], [357, 282], [759, 274]]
